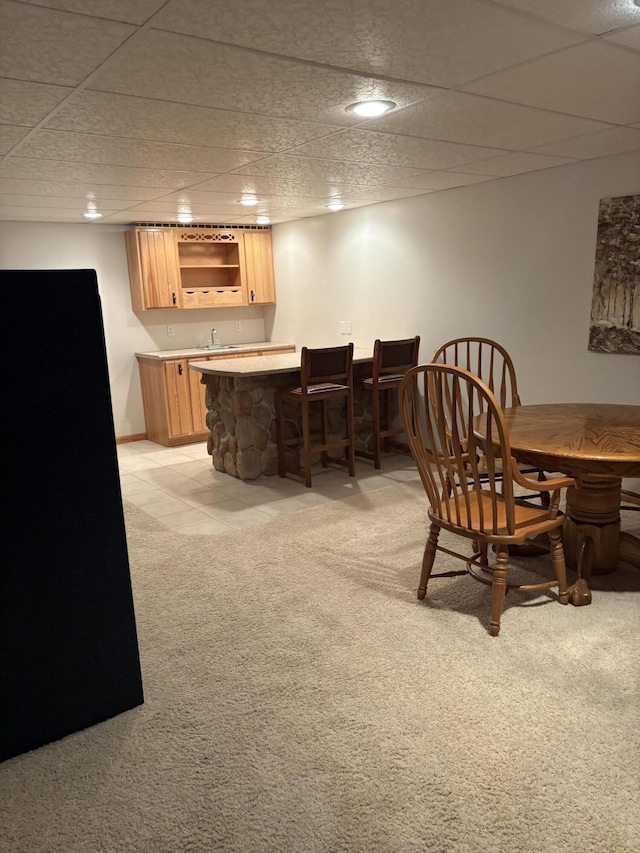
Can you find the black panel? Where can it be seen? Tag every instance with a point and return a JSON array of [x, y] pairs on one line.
[[68, 643]]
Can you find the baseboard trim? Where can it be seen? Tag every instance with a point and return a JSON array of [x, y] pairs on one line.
[[123, 439]]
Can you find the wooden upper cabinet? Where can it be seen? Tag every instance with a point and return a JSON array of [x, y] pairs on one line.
[[153, 268], [199, 267], [212, 268], [259, 265]]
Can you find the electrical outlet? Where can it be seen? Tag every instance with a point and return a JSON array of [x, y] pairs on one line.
[[343, 327], [348, 326], [237, 325], [170, 331]]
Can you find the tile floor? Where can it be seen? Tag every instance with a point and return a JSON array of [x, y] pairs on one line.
[[180, 488]]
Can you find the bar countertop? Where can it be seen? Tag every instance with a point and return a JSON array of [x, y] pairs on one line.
[[263, 365], [200, 352]]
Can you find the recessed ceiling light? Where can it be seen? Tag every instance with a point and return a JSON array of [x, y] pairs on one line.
[[262, 220], [249, 200], [369, 109], [185, 217], [92, 214], [335, 205]]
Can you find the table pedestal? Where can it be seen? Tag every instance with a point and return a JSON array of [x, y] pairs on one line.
[[592, 536]]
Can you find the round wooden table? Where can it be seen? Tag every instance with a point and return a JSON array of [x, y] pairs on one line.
[[598, 444]]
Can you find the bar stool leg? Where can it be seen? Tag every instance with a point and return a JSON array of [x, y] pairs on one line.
[[351, 435], [376, 426], [280, 436]]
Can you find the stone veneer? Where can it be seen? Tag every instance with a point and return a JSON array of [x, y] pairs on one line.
[[241, 418]]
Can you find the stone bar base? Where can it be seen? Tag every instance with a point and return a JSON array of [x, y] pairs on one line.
[[241, 418]]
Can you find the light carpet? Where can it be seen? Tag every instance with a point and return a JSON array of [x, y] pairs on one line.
[[299, 699]]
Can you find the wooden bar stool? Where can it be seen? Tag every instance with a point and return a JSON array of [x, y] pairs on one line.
[[325, 375], [391, 360]]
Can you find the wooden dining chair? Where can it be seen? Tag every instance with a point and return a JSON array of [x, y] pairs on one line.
[[492, 364], [437, 403], [326, 375], [391, 360]]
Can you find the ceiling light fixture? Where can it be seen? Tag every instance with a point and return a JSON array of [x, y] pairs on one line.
[[92, 214], [249, 200], [335, 205], [262, 220], [185, 217], [370, 109]]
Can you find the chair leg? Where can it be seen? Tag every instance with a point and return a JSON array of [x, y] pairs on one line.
[[386, 418], [351, 435], [306, 443], [559, 564], [324, 455], [428, 559], [280, 437], [376, 427], [498, 588]]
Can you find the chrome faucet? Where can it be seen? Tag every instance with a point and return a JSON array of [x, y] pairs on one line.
[[215, 342]]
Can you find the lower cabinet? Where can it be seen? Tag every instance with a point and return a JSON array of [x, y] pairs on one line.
[[173, 397]]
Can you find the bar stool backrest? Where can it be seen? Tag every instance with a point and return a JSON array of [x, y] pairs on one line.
[[393, 358], [327, 365]]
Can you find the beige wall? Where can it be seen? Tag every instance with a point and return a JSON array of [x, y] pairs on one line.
[[510, 259]]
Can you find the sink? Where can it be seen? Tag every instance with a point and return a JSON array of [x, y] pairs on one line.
[[221, 347]]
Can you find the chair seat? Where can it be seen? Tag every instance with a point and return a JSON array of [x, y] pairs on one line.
[[388, 381], [321, 388], [478, 515]]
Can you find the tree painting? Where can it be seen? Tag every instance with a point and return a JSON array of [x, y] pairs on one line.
[[615, 304]]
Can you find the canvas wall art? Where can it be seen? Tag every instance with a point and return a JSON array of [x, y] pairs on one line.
[[615, 303]]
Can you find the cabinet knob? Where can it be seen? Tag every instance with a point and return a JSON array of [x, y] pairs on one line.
[[253, 296], [173, 298], [179, 370]]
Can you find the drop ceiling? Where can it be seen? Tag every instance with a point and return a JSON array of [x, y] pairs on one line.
[[146, 109]]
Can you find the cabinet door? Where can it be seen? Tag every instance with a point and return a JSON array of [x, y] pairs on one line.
[[197, 397], [178, 388], [259, 267], [153, 268]]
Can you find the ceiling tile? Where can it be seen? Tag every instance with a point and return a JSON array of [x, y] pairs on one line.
[[261, 184], [404, 39], [580, 80], [113, 10], [54, 47], [460, 117], [629, 37], [10, 136], [592, 16], [615, 140], [111, 150], [374, 194], [446, 180], [161, 121], [56, 170], [64, 202], [515, 164], [198, 200], [283, 165], [28, 103], [179, 68], [369, 146], [166, 211], [43, 214], [60, 189]]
